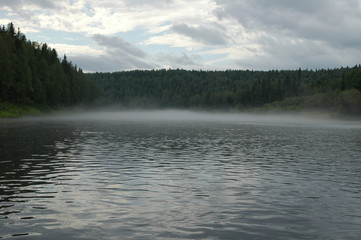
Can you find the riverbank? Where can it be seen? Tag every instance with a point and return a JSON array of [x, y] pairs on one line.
[[14, 111], [9, 110]]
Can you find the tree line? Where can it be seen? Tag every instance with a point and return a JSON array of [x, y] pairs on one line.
[[32, 73], [335, 90]]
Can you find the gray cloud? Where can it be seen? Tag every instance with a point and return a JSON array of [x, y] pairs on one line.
[[183, 61], [118, 45], [119, 55], [159, 3], [312, 34], [19, 3], [332, 21], [109, 63], [122, 55], [200, 34], [286, 54]]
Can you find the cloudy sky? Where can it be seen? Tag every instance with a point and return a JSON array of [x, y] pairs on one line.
[[115, 35]]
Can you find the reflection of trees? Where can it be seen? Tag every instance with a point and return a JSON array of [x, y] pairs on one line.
[[28, 159]]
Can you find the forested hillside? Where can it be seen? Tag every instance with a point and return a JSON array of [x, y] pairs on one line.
[[336, 90], [32, 74]]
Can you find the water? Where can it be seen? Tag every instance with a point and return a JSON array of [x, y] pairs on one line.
[[151, 176]]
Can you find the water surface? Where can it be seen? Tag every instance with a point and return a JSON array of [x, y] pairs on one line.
[[178, 175]]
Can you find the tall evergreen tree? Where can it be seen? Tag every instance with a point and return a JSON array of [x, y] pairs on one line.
[[32, 73]]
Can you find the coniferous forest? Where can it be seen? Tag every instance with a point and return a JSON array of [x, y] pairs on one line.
[[332, 90], [32, 74]]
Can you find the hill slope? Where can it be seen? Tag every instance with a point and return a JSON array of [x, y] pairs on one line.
[[333, 90]]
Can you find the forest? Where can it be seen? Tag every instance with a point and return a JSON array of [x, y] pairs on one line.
[[32, 74], [331, 90]]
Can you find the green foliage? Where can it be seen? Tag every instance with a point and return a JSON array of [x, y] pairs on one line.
[[8, 110], [349, 101], [291, 90], [32, 73]]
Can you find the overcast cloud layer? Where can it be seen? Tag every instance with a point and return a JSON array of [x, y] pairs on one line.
[[115, 35]]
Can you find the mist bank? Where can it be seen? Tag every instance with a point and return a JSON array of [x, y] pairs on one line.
[[175, 117], [96, 111]]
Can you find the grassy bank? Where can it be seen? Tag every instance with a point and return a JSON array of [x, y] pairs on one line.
[[9, 110]]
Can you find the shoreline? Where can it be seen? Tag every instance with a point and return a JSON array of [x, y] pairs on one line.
[[14, 111]]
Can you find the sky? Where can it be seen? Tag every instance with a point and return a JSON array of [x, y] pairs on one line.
[[117, 35]]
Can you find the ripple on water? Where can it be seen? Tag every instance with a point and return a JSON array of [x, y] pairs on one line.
[[181, 181]]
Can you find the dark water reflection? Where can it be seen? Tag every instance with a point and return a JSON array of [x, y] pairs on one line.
[[179, 180]]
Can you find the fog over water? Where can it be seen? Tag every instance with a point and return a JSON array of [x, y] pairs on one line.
[[199, 116]]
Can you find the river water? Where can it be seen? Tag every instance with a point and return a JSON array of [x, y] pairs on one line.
[[179, 175]]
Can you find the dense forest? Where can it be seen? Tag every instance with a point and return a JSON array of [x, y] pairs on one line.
[[333, 90], [32, 74]]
